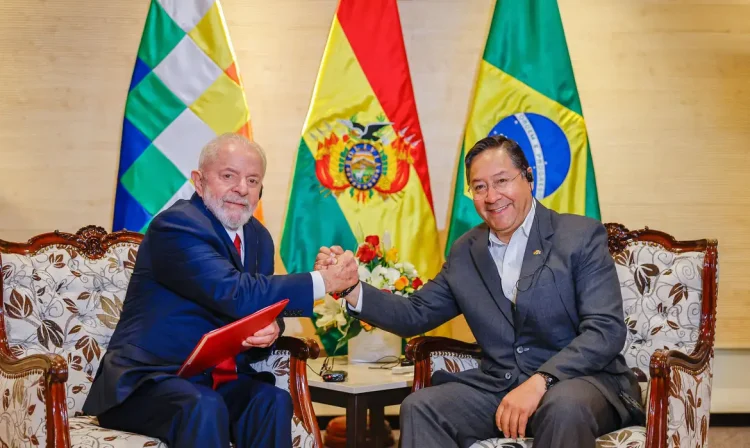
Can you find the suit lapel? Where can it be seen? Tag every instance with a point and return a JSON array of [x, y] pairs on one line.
[[480, 253], [220, 231], [535, 256], [251, 247]]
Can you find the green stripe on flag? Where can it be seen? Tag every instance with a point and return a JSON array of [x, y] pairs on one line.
[[311, 211], [152, 180], [592, 195], [151, 106], [540, 54], [160, 35], [464, 215]]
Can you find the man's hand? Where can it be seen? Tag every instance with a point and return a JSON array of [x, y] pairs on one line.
[[339, 273], [516, 408], [263, 337], [327, 257]]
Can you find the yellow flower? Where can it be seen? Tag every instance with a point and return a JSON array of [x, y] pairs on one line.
[[391, 256], [401, 283], [366, 326]]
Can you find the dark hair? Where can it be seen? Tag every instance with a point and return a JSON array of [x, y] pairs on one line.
[[510, 147]]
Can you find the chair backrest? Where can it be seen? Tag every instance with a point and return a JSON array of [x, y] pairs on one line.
[[63, 293], [669, 293]]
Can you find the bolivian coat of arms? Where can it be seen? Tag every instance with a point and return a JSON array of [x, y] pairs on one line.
[[363, 158]]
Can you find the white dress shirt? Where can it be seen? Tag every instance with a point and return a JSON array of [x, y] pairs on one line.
[[319, 286], [508, 258]]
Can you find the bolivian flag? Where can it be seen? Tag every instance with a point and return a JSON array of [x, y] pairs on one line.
[[361, 167], [525, 90]]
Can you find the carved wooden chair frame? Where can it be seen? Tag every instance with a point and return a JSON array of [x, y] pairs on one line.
[[663, 362], [92, 242]]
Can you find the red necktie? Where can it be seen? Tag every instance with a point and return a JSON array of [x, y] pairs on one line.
[[227, 370]]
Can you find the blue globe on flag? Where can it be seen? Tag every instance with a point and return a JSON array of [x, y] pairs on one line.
[[545, 146]]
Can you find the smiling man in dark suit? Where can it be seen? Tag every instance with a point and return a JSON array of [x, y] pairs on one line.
[[540, 293], [204, 263]]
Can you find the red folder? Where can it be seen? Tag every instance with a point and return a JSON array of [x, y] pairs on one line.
[[225, 342]]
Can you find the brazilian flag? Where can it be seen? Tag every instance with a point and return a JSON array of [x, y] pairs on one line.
[[526, 91]]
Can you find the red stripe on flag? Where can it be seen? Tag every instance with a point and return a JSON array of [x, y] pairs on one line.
[[373, 29]]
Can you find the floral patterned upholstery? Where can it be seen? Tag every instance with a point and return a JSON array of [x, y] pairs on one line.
[[85, 432], [278, 364], [22, 416], [632, 437], [452, 362], [689, 407], [662, 298], [56, 300], [662, 294]]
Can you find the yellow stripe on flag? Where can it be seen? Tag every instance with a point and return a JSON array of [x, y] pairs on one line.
[[342, 84]]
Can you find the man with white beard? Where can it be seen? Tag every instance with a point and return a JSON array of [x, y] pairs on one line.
[[204, 263]]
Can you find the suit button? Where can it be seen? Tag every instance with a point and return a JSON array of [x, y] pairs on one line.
[[508, 376], [519, 350]]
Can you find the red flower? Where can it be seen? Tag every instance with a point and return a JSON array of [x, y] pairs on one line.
[[374, 240], [416, 283], [366, 253]]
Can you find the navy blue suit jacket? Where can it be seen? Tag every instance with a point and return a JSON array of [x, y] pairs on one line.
[[189, 280]]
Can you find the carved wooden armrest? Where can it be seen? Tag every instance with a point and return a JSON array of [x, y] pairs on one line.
[[422, 349], [33, 399], [288, 363], [679, 402]]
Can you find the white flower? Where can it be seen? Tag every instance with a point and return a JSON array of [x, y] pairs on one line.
[[392, 275], [378, 277], [386, 240], [379, 271], [331, 313], [364, 273], [340, 320]]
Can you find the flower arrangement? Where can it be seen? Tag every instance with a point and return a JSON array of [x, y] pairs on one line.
[[380, 267]]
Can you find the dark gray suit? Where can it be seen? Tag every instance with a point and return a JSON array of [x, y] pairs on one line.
[[568, 321]]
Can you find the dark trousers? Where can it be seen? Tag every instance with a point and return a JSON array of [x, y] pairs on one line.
[[572, 414], [189, 414]]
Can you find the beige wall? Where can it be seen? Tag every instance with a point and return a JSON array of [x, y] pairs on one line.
[[664, 84]]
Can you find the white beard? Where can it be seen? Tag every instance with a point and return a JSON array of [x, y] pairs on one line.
[[230, 219]]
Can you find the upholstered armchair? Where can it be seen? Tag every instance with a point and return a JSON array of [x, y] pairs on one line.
[[62, 297], [669, 291]]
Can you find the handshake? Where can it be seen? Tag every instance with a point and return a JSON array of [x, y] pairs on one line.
[[339, 270]]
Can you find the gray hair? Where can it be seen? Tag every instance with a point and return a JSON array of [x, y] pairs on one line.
[[208, 153]]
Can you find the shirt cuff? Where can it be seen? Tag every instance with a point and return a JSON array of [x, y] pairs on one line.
[[358, 308], [319, 286]]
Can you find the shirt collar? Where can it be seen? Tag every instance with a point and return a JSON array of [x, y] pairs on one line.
[[525, 226], [233, 233]]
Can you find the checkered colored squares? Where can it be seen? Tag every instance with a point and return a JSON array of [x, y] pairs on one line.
[[186, 14], [222, 106], [212, 37], [187, 71], [160, 35], [185, 192], [182, 141], [152, 180], [151, 106]]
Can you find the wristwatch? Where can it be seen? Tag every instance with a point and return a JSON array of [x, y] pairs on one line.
[[549, 380]]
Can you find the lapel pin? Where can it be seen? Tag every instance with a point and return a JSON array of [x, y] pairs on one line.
[[537, 252]]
